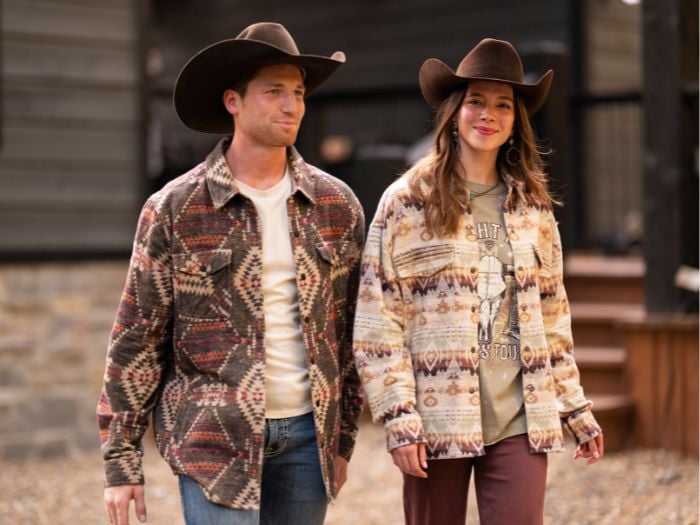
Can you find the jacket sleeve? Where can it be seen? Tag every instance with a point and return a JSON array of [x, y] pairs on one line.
[[574, 408], [138, 351], [383, 360], [351, 401]]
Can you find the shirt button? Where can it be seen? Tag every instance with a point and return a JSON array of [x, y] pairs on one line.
[[307, 319], [473, 350], [203, 268], [318, 403], [303, 276], [296, 233]]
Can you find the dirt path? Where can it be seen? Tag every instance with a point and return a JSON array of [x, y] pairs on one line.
[[637, 488]]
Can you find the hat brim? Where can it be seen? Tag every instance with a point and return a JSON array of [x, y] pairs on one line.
[[203, 80], [437, 81]]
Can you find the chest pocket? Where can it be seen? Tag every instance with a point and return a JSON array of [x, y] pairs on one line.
[[202, 284]]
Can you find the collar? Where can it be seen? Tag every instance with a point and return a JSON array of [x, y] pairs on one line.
[[222, 185]]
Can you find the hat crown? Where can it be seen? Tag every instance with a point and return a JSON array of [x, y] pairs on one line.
[[492, 59], [270, 33]]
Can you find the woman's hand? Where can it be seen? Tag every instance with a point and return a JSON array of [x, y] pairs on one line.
[[591, 450], [411, 459]]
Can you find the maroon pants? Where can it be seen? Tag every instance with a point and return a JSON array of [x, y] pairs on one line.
[[509, 481]]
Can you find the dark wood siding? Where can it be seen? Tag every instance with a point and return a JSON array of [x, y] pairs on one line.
[[70, 168]]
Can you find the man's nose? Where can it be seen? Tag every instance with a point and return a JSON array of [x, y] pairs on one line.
[[290, 104]]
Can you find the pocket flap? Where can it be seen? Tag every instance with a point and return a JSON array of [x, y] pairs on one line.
[[426, 261], [202, 263]]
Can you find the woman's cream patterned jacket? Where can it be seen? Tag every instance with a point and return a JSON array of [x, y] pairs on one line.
[[416, 342]]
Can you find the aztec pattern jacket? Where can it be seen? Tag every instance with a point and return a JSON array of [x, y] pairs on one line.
[[416, 342], [188, 341]]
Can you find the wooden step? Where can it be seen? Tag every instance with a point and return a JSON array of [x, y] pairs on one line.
[[595, 324], [615, 415], [602, 369], [596, 279]]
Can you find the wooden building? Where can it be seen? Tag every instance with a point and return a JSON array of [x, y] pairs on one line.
[[88, 128]]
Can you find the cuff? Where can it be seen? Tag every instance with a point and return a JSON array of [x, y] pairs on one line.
[[124, 470], [583, 426], [404, 430]]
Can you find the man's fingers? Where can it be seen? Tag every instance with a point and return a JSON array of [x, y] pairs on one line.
[[140, 503], [111, 514], [123, 513]]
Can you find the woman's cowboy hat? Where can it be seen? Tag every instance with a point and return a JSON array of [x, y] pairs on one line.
[[489, 60], [216, 68]]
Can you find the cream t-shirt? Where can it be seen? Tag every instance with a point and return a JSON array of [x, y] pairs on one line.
[[500, 378], [287, 386]]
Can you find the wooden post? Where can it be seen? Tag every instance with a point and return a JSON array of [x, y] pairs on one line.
[[669, 41]]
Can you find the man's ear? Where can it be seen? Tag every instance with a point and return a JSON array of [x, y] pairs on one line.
[[231, 101]]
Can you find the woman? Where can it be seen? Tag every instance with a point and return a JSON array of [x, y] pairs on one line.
[[462, 330]]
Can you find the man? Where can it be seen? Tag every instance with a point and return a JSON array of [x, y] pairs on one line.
[[234, 328]]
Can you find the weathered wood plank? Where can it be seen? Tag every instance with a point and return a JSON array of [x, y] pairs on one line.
[[45, 62], [60, 19], [56, 187], [68, 144], [41, 232], [46, 101]]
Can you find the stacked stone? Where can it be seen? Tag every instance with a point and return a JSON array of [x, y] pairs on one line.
[[55, 320]]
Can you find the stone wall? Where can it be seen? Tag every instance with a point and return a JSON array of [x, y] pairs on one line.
[[55, 320]]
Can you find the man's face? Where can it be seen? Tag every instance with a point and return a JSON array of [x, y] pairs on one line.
[[271, 111]]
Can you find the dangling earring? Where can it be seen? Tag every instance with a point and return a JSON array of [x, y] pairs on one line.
[[455, 136], [511, 152]]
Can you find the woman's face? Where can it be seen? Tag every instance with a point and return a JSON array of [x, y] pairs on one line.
[[486, 117]]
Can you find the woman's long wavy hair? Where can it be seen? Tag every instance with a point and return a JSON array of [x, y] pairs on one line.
[[437, 179]]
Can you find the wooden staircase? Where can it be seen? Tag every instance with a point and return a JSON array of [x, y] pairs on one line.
[[604, 291]]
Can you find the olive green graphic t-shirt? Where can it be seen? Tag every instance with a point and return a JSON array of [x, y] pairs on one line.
[[500, 379]]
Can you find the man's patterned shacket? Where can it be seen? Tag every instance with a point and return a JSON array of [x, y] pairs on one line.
[[188, 341], [416, 341]]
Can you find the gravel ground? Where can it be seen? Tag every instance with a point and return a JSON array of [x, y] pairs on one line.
[[640, 487]]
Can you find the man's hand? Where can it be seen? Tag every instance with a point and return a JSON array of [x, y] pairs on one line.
[[411, 459], [591, 450], [117, 500], [340, 465]]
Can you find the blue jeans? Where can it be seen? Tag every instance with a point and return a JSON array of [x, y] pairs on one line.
[[292, 484]]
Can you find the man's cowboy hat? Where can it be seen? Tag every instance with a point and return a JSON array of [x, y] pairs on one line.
[[203, 80], [489, 60]]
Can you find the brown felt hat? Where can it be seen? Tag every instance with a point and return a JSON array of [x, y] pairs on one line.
[[489, 60], [203, 80]]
